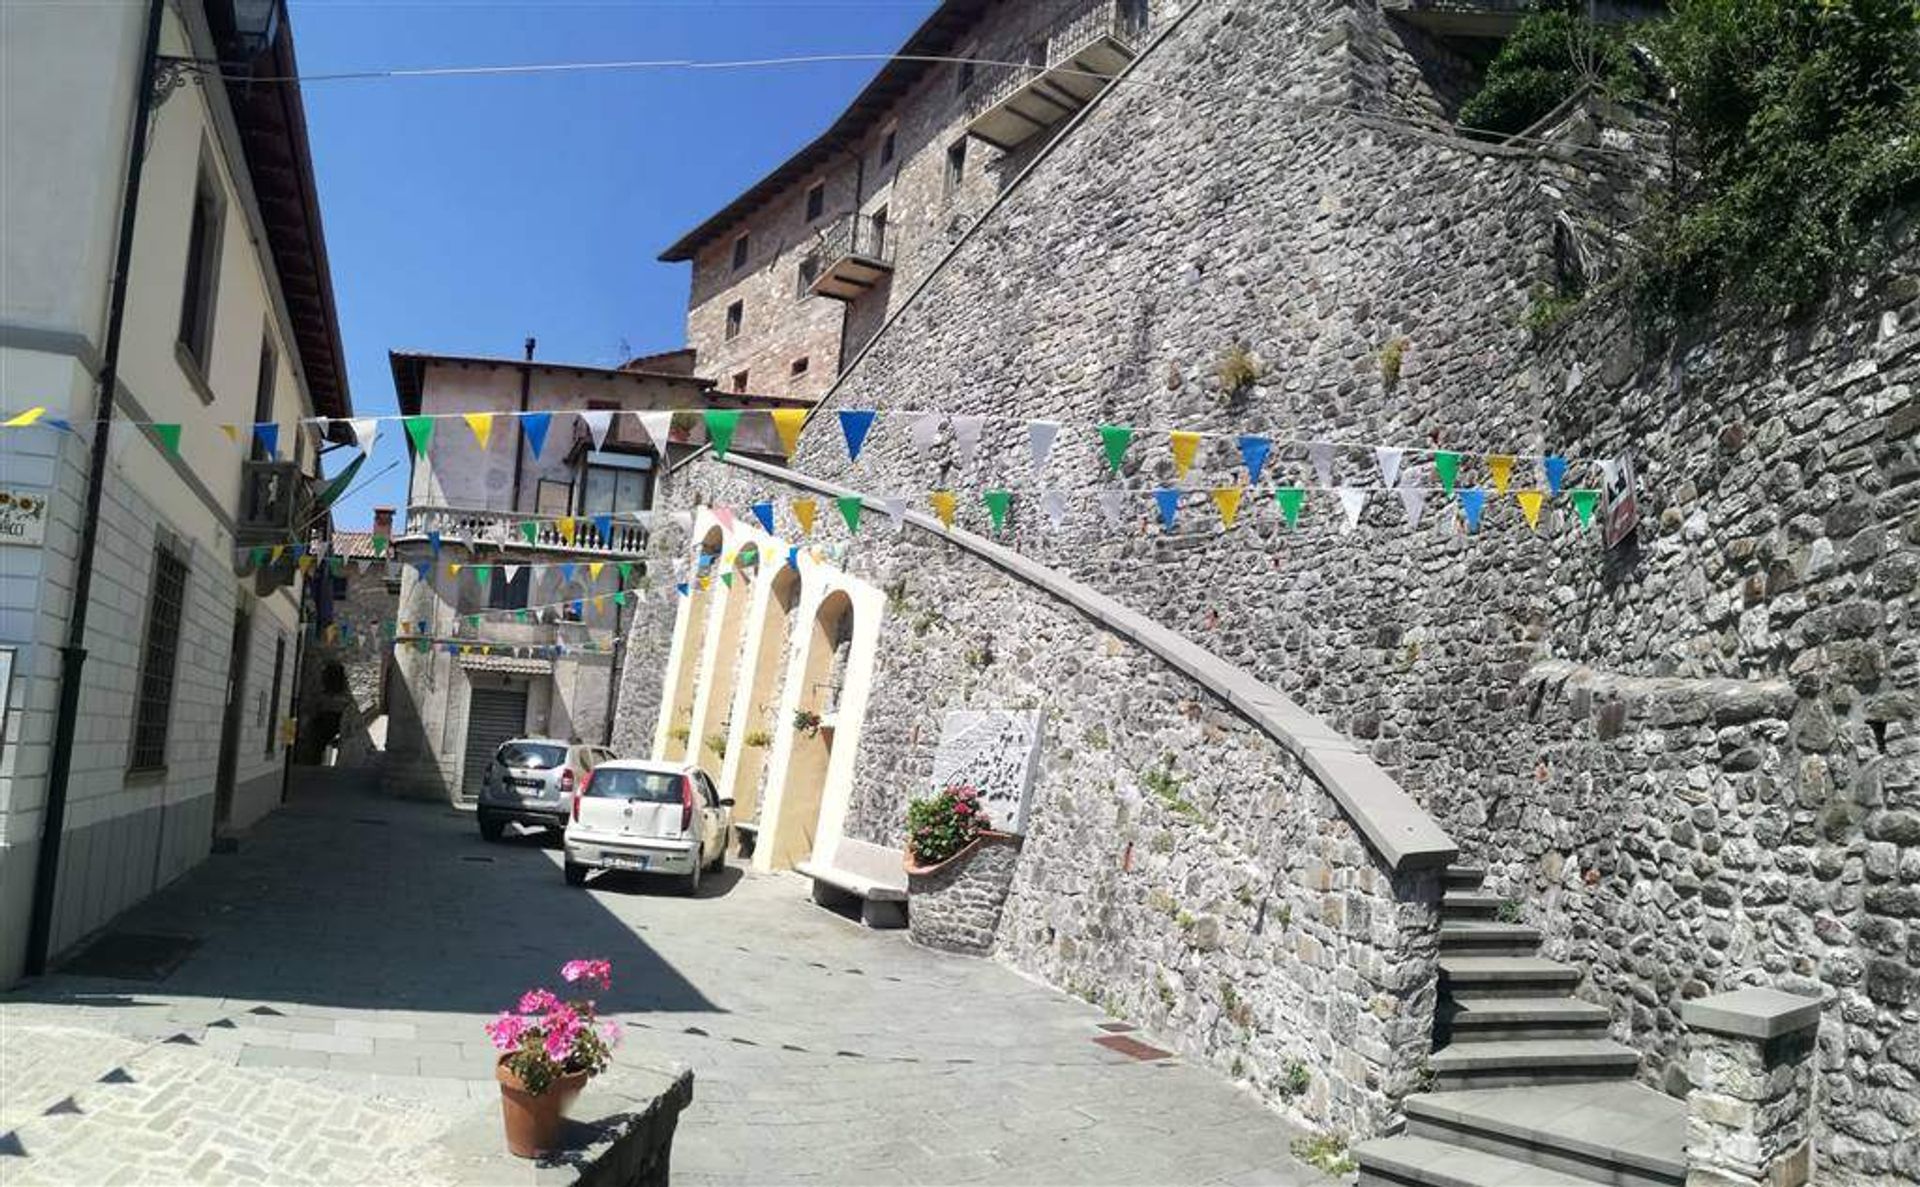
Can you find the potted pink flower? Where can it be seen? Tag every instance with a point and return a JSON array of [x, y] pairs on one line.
[[549, 1049]]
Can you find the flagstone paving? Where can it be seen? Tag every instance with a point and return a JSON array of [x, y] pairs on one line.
[[327, 1028]]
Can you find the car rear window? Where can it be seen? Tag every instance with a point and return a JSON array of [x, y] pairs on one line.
[[532, 756], [625, 783]]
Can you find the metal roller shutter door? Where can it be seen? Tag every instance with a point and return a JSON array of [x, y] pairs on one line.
[[494, 715]]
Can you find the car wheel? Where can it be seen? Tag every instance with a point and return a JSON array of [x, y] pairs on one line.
[[690, 883], [720, 855], [576, 874], [490, 829]]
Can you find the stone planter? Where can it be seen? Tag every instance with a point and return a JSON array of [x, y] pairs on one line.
[[955, 905]]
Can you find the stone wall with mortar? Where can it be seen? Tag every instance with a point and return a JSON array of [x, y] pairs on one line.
[[1180, 867], [1671, 832], [956, 905]]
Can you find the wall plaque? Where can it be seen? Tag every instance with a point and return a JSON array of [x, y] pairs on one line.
[[23, 516]]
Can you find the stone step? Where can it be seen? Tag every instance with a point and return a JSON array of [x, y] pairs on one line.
[[1470, 904], [1465, 877], [1486, 937], [1504, 1063], [1615, 1132], [1411, 1161], [1470, 977], [1493, 1018]]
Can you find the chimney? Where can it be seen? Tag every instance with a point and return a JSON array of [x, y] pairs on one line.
[[529, 348], [383, 522]]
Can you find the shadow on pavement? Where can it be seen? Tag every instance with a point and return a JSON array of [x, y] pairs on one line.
[[346, 897]]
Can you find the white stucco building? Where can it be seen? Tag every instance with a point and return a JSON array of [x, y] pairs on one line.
[[228, 321]]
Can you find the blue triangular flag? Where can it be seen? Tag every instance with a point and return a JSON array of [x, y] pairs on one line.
[[1169, 501], [1473, 501], [681, 589], [534, 425], [855, 422], [604, 525], [268, 435], [793, 557], [579, 607], [566, 572], [424, 568], [433, 541], [1254, 451], [764, 513], [1555, 469]]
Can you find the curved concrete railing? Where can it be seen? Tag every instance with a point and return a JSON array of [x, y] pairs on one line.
[[1399, 830]]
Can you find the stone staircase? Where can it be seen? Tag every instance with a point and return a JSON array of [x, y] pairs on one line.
[[1528, 1090]]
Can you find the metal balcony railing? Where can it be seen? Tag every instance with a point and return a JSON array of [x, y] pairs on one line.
[[1081, 50], [276, 500], [854, 253], [503, 529]]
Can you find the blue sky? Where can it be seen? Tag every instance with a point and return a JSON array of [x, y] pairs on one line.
[[463, 214]]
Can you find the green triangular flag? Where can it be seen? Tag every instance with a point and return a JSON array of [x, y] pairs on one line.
[[379, 546], [258, 554], [1114, 439], [338, 564], [998, 501], [1446, 463], [1584, 502], [619, 597], [849, 510], [482, 574], [721, 423], [473, 620], [169, 436], [626, 572], [419, 431], [531, 531], [726, 579], [519, 615], [1290, 498]]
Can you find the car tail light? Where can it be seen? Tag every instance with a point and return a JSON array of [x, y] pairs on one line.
[[566, 781], [576, 807], [686, 802]]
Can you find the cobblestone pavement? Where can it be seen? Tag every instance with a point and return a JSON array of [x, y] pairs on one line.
[[328, 1026]]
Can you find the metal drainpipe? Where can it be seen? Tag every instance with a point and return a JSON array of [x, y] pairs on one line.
[[73, 656]]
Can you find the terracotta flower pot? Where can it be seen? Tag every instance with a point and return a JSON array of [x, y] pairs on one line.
[[534, 1121]]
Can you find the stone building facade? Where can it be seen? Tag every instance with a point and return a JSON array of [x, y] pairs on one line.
[[1689, 761], [888, 168]]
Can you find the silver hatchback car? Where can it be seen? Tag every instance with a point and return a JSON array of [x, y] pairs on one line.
[[532, 780]]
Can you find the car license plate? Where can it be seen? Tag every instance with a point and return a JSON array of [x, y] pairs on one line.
[[529, 784], [620, 861]]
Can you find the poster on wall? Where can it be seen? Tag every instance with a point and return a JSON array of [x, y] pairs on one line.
[[1623, 508], [23, 516]]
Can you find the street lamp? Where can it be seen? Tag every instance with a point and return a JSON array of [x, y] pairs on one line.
[[242, 31]]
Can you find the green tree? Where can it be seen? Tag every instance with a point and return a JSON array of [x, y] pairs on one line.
[[1549, 56]]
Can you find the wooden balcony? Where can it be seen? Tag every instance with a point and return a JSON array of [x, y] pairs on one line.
[[502, 530], [855, 254], [1009, 105]]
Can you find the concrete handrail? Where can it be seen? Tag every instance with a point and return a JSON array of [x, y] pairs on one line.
[[1398, 829]]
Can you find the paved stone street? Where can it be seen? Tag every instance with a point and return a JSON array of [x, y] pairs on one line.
[[327, 1027]]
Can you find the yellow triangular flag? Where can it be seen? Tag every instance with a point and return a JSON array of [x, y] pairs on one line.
[[1500, 465], [1226, 500], [943, 505], [232, 432], [306, 564], [706, 583], [25, 418], [482, 425], [1530, 501], [453, 570], [593, 570], [803, 514], [279, 550], [565, 524], [600, 603], [788, 422], [1185, 445]]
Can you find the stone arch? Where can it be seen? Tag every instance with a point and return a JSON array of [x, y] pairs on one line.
[[803, 777], [674, 739], [757, 699], [719, 668]]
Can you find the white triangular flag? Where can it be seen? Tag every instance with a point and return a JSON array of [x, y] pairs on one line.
[[317, 550], [925, 430], [1353, 501], [597, 422], [120, 434], [1114, 504], [657, 426], [511, 571], [1609, 469], [365, 429], [1040, 435], [1389, 460], [966, 437], [364, 563], [1415, 497], [897, 511], [1054, 504], [1321, 454]]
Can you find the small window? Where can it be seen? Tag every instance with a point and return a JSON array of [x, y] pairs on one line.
[[736, 314], [798, 367], [160, 656], [809, 272], [740, 381], [956, 165], [816, 200], [263, 394], [963, 80], [531, 756], [740, 249], [552, 497], [646, 787], [273, 701], [203, 268], [886, 147]]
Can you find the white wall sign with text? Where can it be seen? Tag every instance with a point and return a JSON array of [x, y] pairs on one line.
[[23, 516]]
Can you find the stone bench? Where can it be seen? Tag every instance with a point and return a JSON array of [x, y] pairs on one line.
[[746, 835], [873, 875]]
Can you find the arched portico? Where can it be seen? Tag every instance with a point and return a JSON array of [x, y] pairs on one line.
[[674, 738], [757, 698], [733, 593]]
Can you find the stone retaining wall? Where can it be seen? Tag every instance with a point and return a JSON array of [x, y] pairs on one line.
[[956, 905]]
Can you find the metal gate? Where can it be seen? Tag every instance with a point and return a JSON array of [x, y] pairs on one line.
[[494, 715]]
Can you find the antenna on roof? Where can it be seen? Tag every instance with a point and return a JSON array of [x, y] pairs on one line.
[[530, 348]]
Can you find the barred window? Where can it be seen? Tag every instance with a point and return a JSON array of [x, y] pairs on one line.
[[154, 705]]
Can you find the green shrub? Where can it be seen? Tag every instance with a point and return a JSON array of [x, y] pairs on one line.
[[1328, 1152], [1237, 369], [1392, 356], [718, 744], [1549, 56], [758, 739]]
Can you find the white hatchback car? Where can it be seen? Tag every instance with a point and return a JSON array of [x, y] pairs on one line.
[[650, 817]]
